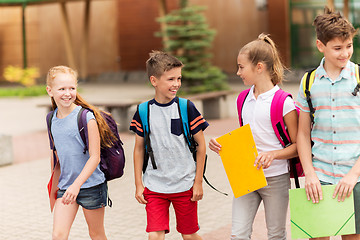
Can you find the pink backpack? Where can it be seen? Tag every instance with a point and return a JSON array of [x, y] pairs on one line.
[[278, 124]]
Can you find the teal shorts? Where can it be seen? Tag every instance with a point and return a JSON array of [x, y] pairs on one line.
[[356, 194]]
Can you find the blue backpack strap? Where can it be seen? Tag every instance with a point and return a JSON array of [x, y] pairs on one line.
[[183, 105], [240, 103], [143, 110], [82, 125], [183, 110]]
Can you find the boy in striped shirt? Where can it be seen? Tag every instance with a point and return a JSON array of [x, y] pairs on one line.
[[335, 133]]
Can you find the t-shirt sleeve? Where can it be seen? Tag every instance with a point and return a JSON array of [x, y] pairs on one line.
[[301, 102], [289, 105], [197, 122], [136, 125], [89, 116]]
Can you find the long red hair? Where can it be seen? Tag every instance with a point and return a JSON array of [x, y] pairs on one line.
[[106, 135]]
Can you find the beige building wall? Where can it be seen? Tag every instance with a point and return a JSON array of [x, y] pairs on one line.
[[45, 36], [237, 22]]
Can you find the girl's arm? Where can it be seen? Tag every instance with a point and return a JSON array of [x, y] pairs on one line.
[[90, 166], [312, 183], [52, 160], [200, 162], [139, 151], [266, 158], [214, 145]]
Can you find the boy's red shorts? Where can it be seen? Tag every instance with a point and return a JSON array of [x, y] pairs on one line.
[[157, 209]]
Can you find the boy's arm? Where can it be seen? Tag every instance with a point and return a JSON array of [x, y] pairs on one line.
[[312, 183], [346, 185], [200, 161], [139, 151]]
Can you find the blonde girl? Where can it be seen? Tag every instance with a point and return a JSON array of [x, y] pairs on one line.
[[81, 181], [259, 66]]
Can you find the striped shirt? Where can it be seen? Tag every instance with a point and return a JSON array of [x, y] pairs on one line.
[[175, 164], [336, 129]]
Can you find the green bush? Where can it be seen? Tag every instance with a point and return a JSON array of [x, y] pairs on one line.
[[37, 90]]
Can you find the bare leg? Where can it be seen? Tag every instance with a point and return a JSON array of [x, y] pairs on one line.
[[160, 235], [193, 236], [95, 222], [64, 216], [351, 237]]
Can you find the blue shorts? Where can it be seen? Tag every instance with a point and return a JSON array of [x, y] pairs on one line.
[[90, 198], [356, 194]]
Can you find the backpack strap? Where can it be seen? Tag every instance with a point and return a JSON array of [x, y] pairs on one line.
[[277, 119], [82, 125], [143, 110], [183, 112], [308, 81], [183, 105], [240, 103], [278, 124], [357, 88], [49, 118]]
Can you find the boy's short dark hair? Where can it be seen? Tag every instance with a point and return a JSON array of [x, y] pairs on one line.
[[332, 25], [160, 62]]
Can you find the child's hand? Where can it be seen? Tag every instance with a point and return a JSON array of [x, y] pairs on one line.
[[345, 187], [313, 188], [70, 194], [197, 192], [264, 159], [139, 194], [214, 145]]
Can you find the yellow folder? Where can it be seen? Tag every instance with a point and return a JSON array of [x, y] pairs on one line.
[[238, 154]]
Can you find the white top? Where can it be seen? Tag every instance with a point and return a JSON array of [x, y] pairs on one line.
[[256, 112]]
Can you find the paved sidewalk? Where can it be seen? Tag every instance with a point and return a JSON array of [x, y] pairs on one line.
[[24, 207]]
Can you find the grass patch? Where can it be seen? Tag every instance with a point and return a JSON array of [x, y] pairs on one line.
[[38, 90]]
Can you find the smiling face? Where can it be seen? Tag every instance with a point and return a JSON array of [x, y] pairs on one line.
[[167, 85], [246, 70], [337, 52], [63, 90]]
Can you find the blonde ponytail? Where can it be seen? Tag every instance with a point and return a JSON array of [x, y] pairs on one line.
[[263, 49]]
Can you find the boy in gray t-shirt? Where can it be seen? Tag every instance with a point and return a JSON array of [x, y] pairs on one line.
[[177, 179]]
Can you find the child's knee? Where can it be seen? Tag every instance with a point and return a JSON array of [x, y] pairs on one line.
[[59, 235], [97, 235], [159, 235], [193, 236]]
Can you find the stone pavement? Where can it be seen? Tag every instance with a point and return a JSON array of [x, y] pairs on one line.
[[24, 207]]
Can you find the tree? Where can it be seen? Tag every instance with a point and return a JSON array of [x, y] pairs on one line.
[[188, 37]]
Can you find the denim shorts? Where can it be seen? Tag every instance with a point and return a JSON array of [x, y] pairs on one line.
[[356, 194], [90, 198]]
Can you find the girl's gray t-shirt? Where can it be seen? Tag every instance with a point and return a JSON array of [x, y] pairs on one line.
[[70, 147]]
